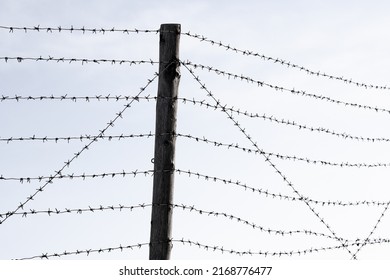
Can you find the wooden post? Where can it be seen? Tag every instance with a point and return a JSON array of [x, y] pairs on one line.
[[164, 150]]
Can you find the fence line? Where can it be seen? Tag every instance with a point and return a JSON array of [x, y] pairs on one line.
[[214, 248], [108, 97], [83, 29], [201, 103], [76, 155], [286, 122], [280, 253], [75, 60], [80, 138], [89, 209], [229, 111], [283, 89], [267, 159], [86, 251], [285, 157], [183, 207], [286, 63], [261, 191], [203, 139], [79, 176], [201, 38], [99, 209]]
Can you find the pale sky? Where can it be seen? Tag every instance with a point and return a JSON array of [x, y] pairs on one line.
[[344, 204]]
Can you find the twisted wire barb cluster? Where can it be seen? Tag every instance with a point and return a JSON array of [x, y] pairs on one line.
[[285, 63]]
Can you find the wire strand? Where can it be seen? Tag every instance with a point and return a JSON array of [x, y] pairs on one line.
[[83, 29], [283, 89], [75, 60], [285, 63]]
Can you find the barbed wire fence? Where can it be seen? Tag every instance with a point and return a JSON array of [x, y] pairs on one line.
[[210, 103]]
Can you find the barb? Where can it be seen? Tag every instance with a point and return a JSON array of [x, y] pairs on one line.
[[222, 250], [283, 89], [83, 29], [183, 207], [86, 251], [267, 159], [263, 192], [75, 60], [76, 155], [372, 231], [286, 63]]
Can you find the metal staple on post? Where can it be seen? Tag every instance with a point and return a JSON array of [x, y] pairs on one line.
[[164, 153]]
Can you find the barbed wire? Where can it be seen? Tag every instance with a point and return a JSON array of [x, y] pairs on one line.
[[280, 196], [183, 207], [286, 63], [79, 176], [80, 138], [283, 89], [214, 248], [107, 97], [238, 183], [201, 103], [76, 155], [83, 29], [372, 231], [197, 139], [285, 157], [76, 60], [87, 251], [251, 224], [222, 250], [286, 122], [267, 159], [201, 38], [89, 209]]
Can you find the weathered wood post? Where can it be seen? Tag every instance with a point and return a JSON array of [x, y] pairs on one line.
[[164, 150]]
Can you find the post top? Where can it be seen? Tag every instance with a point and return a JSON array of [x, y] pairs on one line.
[[170, 27]]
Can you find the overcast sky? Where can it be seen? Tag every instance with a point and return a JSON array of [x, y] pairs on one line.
[[345, 39]]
